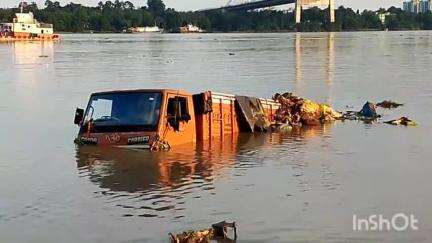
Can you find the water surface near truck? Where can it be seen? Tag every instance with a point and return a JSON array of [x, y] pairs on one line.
[[303, 186]]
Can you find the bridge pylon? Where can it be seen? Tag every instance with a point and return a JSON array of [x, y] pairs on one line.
[[312, 3]]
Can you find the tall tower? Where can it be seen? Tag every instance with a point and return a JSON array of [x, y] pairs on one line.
[[416, 6], [332, 11], [312, 3], [298, 9]]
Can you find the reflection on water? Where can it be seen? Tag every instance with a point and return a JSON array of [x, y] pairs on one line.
[[32, 53], [160, 181], [326, 44]]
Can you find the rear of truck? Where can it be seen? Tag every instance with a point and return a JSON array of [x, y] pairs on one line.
[[219, 115]]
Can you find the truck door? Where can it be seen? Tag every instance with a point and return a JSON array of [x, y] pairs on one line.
[[180, 120]]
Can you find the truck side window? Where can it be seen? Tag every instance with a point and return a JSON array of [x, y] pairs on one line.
[[177, 111], [177, 106]]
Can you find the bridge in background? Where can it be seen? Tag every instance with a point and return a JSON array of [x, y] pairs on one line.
[[257, 4], [250, 5]]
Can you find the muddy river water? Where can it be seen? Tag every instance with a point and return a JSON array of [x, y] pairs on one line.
[[303, 186]]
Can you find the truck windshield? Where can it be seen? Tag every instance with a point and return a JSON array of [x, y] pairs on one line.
[[123, 112]]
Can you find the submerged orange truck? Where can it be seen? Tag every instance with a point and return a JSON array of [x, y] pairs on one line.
[[162, 118]]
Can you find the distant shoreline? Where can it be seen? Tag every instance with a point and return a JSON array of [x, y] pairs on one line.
[[114, 17], [238, 32]]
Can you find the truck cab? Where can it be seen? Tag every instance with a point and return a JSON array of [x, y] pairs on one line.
[[137, 118]]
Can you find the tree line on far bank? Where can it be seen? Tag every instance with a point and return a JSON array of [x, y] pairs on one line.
[[116, 16]]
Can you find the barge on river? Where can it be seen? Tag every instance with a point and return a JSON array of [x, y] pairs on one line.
[[26, 28]]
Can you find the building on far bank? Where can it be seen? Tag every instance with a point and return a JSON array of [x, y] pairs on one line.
[[417, 6], [383, 17]]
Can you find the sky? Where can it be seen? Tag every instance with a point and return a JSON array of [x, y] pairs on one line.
[[200, 4]]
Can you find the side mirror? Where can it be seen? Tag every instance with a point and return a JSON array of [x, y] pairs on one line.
[[79, 115]]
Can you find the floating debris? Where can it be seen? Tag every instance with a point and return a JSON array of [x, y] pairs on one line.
[[388, 104], [368, 113], [351, 115], [312, 113], [288, 113], [219, 231], [160, 145], [403, 121], [281, 127], [202, 236], [295, 111]]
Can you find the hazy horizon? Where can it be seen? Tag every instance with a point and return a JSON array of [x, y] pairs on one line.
[[199, 4]]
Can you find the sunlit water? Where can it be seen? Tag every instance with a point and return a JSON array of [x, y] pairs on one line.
[[302, 186]]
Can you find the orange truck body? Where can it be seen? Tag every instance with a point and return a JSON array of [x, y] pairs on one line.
[[220, 121]]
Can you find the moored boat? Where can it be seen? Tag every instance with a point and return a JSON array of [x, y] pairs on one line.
[[26, 28], [145, 29], [190, 29]]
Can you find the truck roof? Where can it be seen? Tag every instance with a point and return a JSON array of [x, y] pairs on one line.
[[143, 90]]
